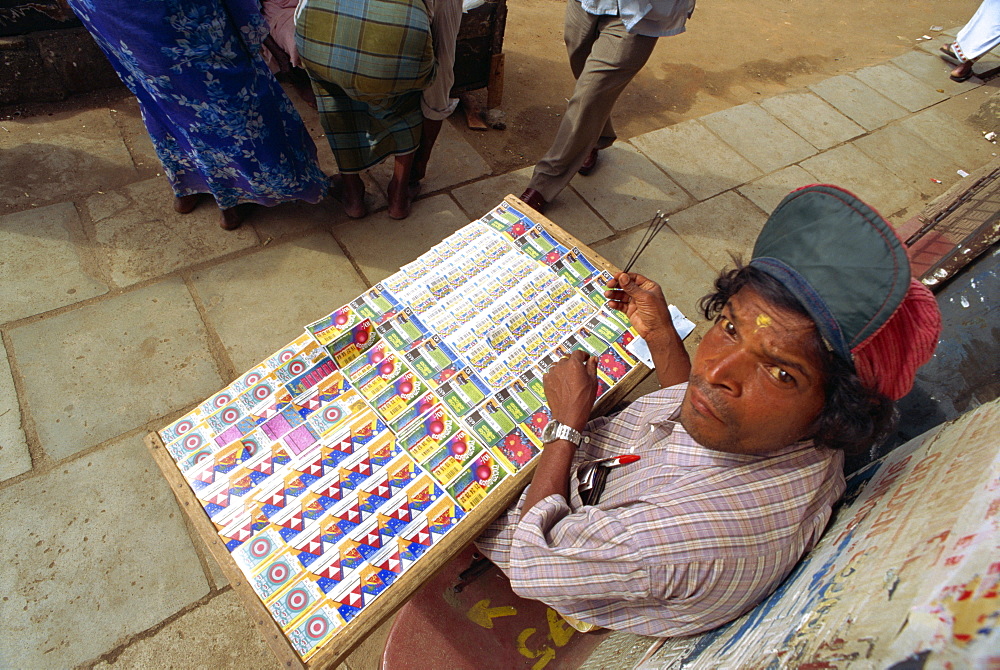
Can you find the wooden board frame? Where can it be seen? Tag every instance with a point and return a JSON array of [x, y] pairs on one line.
[[397, 593]]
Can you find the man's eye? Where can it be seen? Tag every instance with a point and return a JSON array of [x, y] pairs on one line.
[[728, 326], [781, 375]]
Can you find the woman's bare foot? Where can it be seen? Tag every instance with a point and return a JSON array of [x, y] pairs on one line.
[[349, 189], [233, 217], [185, 204]]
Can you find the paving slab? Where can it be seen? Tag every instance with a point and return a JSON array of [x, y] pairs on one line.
[[41, 267], [95, 550], [668, 260], [453, 161], [933, 45], [900, 86], [860, 102], [47, 159], [140, 236], [15, 459], [218, 634], [380, 245], [128, 119], [568, 210], [946, 134], [977, 109], [696, 159], [296, 218], [812, 118], [759, 137], [769, 190], [103, 369], [720, 227], [932, 71], [627, 188], [260, 302], [911, 159], [848, 167]]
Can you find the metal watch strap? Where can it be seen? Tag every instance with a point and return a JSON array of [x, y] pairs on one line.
[[564, 432]]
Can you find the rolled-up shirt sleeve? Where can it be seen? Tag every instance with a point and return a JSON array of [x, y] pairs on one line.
[[590, 565], [558, 555]]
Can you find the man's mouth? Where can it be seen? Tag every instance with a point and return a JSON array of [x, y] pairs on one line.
[[701, 404]]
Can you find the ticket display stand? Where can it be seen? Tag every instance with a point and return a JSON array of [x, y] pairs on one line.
[[330, 485]]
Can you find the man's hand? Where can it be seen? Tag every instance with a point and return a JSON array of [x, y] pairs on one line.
[[571, 387], [642, 301]]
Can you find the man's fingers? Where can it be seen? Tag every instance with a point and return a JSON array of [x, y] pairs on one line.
[[629, 283], [635, 286], [592, 366], [580, 355]]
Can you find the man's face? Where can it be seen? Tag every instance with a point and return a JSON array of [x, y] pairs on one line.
[[757, 380]]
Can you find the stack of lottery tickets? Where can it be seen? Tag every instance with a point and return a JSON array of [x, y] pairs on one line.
[[331, 467]]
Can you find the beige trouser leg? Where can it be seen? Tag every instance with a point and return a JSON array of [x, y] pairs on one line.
[[604, 58]]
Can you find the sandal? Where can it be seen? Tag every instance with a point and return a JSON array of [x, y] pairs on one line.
[[963, 72], [950, 55]]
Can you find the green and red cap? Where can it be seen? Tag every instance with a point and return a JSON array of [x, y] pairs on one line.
[[849, 269]]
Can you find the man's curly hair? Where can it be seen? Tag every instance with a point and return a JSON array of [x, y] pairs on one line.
[[854, 416]]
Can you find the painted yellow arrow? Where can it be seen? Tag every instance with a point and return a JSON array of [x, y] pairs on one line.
[[481, 613]]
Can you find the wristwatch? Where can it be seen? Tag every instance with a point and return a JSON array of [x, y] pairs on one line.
[[557, 431]]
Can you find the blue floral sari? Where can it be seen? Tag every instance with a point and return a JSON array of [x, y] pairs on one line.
[[218, 119]]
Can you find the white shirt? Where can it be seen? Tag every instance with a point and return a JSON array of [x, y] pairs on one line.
[[655, 18]]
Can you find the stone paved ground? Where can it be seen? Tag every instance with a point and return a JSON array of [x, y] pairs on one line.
[[117, 315]]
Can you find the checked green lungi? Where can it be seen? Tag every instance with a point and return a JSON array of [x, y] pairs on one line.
[[368, 60]]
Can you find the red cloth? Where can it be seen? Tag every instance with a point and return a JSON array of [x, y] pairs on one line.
[[888, 360]]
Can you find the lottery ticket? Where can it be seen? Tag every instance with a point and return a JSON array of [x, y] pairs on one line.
[[472, 483]]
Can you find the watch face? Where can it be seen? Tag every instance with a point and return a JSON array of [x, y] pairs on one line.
[[549, 432]]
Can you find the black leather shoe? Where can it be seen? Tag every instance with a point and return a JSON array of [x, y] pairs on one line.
[[589, 164], [534, 199]]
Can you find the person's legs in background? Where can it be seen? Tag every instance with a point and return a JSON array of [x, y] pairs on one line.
[[607, 57], [978, 36], [436, 102]]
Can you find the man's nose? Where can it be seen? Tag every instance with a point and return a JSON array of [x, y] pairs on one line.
[[727, 370]]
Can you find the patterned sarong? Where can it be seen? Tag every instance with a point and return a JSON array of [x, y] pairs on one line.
[[218, 119], [369, 60]]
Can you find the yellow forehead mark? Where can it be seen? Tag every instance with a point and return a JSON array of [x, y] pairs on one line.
[[763, 321]]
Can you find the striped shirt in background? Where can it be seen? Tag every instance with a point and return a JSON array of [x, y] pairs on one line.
[[682, 541], [369, 61]]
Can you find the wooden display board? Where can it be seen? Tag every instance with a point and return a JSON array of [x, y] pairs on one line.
[[398, 591]]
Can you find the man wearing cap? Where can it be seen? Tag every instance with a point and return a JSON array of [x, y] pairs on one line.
[[741, 451]]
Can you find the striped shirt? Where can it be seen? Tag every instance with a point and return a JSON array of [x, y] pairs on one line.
[[682, 541]]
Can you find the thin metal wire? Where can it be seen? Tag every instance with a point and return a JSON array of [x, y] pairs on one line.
[[655, 225]]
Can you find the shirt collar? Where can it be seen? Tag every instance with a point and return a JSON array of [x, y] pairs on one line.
[[684, 450]]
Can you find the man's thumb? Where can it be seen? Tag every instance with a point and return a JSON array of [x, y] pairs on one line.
[[626, 284]]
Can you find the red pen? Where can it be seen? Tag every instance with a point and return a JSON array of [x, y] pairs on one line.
[[615, 461]]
